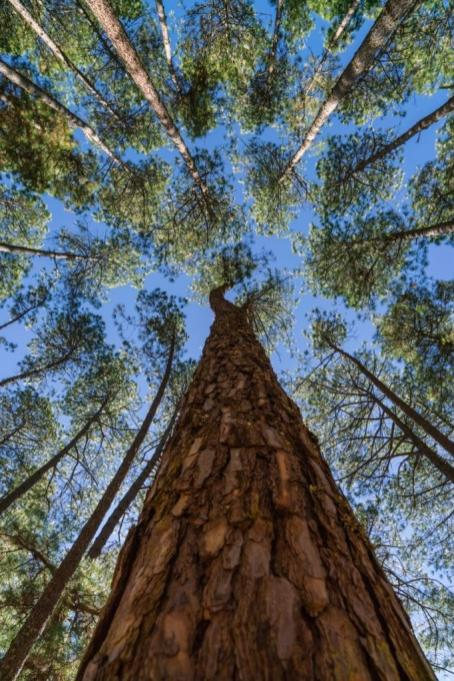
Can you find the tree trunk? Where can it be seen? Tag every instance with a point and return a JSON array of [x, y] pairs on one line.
[[443, 466], [61, 56], [74, 121], [415, 129], [247, 562], [27, 250], [29, 373], [435, 231], [24, 487], [166, 43], [134, 68], [379, 35], [127, 499], [398, 402], [73, 600], [35, 624], [335, 38], [271, 59]]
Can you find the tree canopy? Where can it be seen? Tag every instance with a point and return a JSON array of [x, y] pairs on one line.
[[297, 152]]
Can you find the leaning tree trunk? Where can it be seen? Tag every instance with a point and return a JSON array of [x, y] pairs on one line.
[[247, 562]]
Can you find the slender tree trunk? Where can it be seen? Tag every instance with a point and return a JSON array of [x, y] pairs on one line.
[[431, 455], [380, 33], [415, 129], [21, 315], [27, 250], [126, 501], [73, 602], [134, 68], [275, 39], [335, 38], [26, 485], [435, 231], [35, 624], [30, 373], [75, 122], [61, 56], [431, 232], [166, 42], [420, 420], [247, 562]]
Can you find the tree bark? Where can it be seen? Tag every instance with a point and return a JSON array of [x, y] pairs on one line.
[[134, 68], [247, 562], [415, 129], [35, 624], [26, 485], [61, 56], [126, 501], [420, 420], [74, 121], [380, 33]]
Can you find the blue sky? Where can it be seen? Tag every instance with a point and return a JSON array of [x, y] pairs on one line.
[[199, 317], [416, 152]]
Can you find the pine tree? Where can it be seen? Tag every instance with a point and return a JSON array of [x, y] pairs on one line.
[[247, 560]]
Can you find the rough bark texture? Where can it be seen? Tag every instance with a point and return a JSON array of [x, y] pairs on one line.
[[247, 562]]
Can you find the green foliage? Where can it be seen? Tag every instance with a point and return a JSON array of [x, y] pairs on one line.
[[257, 79], [418, 327], [38, 148], [344, 185], [432, 189], [275, 201], [24, 222], [357, 261]]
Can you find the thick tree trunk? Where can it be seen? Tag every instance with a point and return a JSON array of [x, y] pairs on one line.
[[380, 33], [74, 121], [406, 408], [26, 485], [247, 562], [12, 663], [61, 56], [415, 129], [127, 499]]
